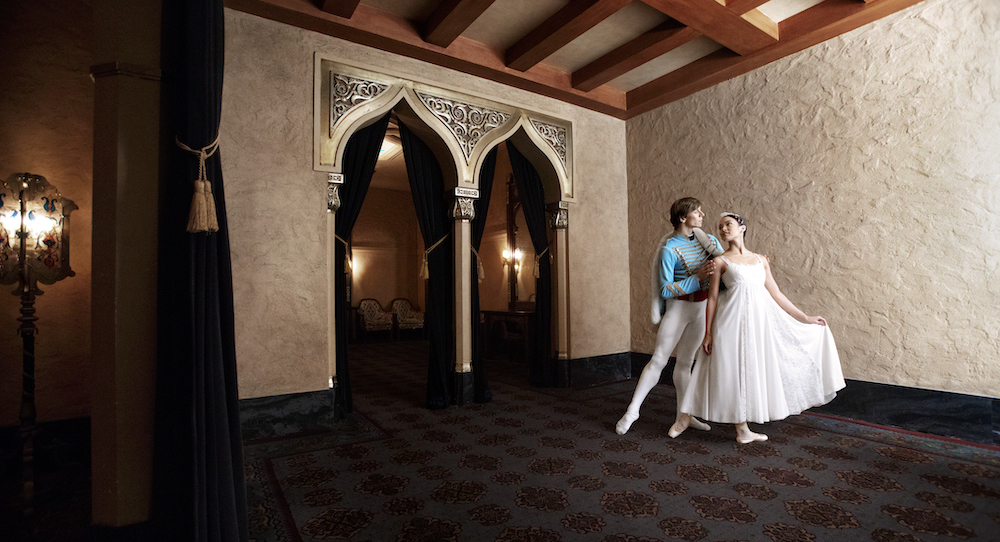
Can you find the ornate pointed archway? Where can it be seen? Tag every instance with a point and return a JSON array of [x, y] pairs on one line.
[[347, 99]]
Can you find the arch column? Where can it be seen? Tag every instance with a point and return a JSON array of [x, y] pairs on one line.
[[463, 212], [559, 222], [333, 184]]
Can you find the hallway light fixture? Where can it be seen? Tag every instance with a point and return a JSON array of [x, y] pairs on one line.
[[513, 258], [34, 247]]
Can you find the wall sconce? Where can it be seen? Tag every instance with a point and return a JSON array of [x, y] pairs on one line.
[[34, 247], [513, 258]]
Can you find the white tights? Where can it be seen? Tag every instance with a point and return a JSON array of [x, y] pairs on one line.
[[683, 327]]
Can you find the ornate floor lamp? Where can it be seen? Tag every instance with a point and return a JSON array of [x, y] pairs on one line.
[[34, 247]]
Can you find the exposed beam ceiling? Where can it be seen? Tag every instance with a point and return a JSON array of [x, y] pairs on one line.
[[451, 18], [559, 30], [619, 57]]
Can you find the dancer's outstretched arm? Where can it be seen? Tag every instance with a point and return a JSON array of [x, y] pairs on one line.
[[784, 303]]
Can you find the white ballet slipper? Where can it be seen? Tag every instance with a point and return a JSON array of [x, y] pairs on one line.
[[699, 425], [745, 436], [682, 423], [625, 423], [706, 242]]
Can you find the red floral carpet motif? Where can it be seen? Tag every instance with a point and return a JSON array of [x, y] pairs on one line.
[[545, 465]]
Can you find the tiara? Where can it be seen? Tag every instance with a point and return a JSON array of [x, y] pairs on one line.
[[737, 217]]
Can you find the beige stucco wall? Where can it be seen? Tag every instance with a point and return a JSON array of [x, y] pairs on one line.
[[387, 249], [869, 169], [279, 264]]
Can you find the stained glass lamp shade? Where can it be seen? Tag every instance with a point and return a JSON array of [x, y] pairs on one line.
[[34, 230]]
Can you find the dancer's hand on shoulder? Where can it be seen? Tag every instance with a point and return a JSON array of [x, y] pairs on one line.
[[818, 320], [706, 344]]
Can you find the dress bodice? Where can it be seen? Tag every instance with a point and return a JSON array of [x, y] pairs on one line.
[[743, 273]]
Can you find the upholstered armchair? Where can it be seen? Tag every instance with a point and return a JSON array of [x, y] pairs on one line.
[[407, 318], [373, 318]]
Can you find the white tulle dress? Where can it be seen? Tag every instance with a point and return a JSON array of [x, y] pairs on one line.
[[765, 365]]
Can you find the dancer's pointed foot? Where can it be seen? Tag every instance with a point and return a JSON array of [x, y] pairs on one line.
[[700, 425], [625, 423], [682, 423], [745, 436]]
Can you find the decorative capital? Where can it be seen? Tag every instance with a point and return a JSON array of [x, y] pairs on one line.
[[334, 180], [559, 219], [464, 208], [466, 192]]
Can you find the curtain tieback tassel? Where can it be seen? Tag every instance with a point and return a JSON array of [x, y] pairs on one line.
[[480, 270], [203, 216], [348, 264], [425, 272], [538, 257]]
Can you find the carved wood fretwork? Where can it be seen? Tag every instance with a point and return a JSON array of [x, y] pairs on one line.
[[348, 92], [467, 122]]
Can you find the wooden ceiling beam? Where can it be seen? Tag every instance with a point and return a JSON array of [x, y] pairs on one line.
[[373, 28], [658, 41], [740, 33], [380, 30], [451, 18], [740, 7], [340, 8], [558, 30], [814, 25]]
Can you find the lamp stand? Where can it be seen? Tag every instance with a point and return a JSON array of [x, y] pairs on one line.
[[28, 415], [36, 213]]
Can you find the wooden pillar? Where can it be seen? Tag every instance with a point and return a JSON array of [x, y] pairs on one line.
[[560, 277], [126, 186], [463, 212], [333, 183]]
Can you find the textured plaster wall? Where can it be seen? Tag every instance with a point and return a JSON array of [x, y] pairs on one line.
[[46, 128], [868, 167], [279, 265], [386, 243]]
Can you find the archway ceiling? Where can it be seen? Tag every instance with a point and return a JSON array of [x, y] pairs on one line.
[[619, 57]]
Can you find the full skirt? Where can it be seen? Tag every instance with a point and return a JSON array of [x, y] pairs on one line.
[[765, 365]]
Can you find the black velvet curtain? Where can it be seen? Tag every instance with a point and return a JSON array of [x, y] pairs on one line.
[[542, 369], [480, 385], [360, 157], [198, 488], [427, 185]]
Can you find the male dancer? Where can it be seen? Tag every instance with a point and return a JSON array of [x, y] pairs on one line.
[[681, 267]]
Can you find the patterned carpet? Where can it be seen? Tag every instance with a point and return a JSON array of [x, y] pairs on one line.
[[546, 465]]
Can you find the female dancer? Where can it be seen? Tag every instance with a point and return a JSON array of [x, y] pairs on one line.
[[762, 358]]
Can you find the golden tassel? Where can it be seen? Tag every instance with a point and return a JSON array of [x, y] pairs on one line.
[[202, 217], [538, 257], [425, 272], [480, 270]]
